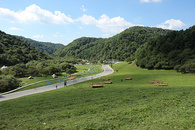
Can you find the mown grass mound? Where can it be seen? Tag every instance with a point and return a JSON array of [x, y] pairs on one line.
[[127, 104]]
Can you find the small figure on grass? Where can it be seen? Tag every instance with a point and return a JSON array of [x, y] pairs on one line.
[[64, 83], [56, 86]]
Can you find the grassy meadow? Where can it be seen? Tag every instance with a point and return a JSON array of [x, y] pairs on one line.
[[89, 69], [132, 104]]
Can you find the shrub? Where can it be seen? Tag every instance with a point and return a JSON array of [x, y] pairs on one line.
[[8, 82], [182, 69], [158, 66], [177, 67]]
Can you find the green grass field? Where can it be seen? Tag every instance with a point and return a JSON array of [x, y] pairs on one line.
[[133, 104], [93, 69]]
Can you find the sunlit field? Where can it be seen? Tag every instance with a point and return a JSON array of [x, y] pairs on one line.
[[125, 104]]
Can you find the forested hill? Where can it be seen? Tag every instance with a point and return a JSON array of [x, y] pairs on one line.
[[76, 48], [14, 51], [46, 47], [175, 50], [120, 46]]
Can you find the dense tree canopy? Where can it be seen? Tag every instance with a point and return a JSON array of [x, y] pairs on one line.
[[175, 50], [38, 68], [14, 51], [45, 47], [75, 49], [120, 47]]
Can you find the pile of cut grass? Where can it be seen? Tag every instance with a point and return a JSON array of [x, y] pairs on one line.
[[130, 104]]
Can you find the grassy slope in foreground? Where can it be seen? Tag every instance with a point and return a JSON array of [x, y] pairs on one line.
[[132, 104]]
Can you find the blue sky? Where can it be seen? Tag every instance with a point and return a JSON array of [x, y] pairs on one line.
[[62, 21]]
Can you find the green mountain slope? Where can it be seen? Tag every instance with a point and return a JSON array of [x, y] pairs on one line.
[[46, 47], [118, 47], [14, 51], [76, 48], [175, 50]]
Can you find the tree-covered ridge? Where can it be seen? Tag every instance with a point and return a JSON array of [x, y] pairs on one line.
[[120, 46], [76, 47], [45, 47], [175, 50], [14, 51]]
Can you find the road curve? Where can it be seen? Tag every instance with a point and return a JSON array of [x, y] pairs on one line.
[[107, 70]]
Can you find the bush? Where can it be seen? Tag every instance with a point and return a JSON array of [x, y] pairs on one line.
[[158, 65], [53, 69], [177, 67], [191, 68], [8, 82], [182, 69]]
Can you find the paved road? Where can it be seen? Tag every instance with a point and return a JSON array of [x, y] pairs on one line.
[[107, 71]]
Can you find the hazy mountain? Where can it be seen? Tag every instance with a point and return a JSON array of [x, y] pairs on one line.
[[46, 47]]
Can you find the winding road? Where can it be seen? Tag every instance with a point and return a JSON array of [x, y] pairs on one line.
[[107, 70]]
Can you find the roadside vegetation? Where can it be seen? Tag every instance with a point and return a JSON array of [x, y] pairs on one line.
[[125, 104], [35, 69], [82, 71]]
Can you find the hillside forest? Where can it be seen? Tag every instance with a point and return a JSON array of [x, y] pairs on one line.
[[25, 60], [14, 51], [176, 50], [119, 47], [45, 47], [151, 48]]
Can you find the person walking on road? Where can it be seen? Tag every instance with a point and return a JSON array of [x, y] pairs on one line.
[[64, 83], [56, 86]]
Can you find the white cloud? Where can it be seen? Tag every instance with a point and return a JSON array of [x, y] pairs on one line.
[[57, 35], [15, 29], [106, 24], [147, 1], [87, 20], [38, 36], [112, 25], [106, 35], [172, 24], [83, 8], [24, 36], [80, 27], [34, 13]]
